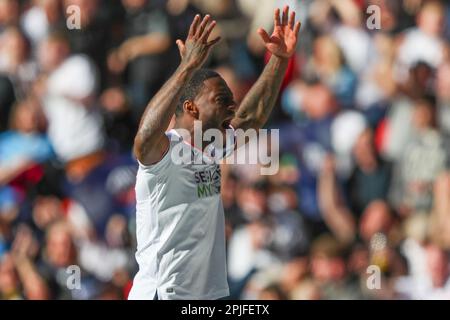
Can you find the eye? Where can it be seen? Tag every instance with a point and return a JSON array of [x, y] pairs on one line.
[[221, 100]]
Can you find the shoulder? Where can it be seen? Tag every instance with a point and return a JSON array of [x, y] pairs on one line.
[[166, 160]]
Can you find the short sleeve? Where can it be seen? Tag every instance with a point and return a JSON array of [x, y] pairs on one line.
[[162, 165]]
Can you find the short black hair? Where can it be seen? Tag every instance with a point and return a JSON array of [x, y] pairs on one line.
[[193, 87]]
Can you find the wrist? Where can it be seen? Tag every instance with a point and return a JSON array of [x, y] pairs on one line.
[[188, 67], [280, 59], [278, 64], [185, 70]]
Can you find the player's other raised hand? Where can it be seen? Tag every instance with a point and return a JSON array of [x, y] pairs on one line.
[[195, 50], [283, 40]]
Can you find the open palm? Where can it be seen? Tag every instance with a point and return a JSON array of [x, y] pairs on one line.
[[284, 38]]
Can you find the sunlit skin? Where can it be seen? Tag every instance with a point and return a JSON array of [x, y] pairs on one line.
[[215, 105]]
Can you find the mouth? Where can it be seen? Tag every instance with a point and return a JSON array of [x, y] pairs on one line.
[[226, 124]]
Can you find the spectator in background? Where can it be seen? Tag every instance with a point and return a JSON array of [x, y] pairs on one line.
[[147, 38], [352, 36], [260, 15], [310, 142], [391, 15], [377, 85], [337, 218], [438, 266], [423, 160], [15, 61], [248, 252], [9, 281], [118, 118], [230, 184], [327, 65], [180, 13], [290, 236], [378, 229], [329, 271], [396, 129], [272, 292], [76, 128], [371, 177], [41, 19], [24, 142], [9, 14], [22, 149], [94, 37], [434, 285], [52, 52], [59, 253], [423, 43], [68, 99], [24, 250]]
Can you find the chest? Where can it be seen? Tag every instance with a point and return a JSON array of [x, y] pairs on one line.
[[193, 182]]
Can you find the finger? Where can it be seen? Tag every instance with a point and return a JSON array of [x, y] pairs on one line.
[[213, 42], [208, 31], [264, 35], [180, 44], [297, 28], [203, 25], [284, 20], [194, 25], [292, 20], [277, 17], [181, 47]]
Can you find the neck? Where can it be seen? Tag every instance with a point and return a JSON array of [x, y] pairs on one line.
[[187, 130], [192, 133]]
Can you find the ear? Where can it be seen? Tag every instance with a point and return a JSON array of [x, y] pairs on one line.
[[190, 108]]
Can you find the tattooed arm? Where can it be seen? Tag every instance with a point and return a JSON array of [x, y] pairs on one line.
[[151, 142], [257, 105]]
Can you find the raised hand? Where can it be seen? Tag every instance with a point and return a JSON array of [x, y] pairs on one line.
[[195, 50], [284, 38]]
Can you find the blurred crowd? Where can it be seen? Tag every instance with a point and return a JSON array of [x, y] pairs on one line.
[[360, 206]]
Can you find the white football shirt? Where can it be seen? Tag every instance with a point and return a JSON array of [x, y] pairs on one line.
[[180, 229]]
